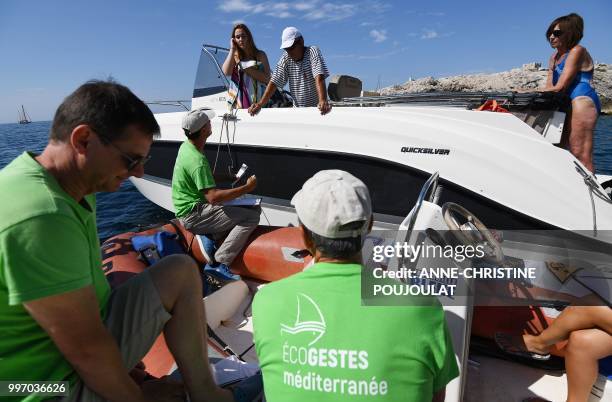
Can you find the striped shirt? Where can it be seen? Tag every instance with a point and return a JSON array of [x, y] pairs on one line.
[[301, 76]]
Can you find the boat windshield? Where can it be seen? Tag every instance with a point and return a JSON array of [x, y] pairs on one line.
[[210, 79]]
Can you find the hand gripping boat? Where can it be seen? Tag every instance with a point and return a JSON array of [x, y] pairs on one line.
[[516, 307]]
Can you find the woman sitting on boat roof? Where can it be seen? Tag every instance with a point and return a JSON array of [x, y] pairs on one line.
[[571, 71], [248, 67]]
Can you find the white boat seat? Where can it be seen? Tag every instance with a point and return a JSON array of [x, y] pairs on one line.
[[223, 304]]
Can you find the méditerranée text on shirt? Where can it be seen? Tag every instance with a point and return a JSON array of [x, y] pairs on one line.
[[342, 359]]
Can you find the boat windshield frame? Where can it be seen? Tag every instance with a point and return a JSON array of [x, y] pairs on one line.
[[210, 58]]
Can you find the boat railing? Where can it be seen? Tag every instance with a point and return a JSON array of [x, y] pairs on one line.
[[468, 100]]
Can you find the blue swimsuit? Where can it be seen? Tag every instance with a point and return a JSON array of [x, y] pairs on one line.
[[581, 86]]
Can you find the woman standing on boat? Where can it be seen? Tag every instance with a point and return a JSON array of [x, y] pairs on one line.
[[248, 67], [571, 71]]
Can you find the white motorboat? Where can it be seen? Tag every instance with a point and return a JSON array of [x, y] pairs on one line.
[[504, 167]]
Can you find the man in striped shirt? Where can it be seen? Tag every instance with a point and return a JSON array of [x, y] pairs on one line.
[[305, 70]]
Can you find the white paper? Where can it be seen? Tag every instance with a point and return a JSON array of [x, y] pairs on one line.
[[231, 369], [248, 202]]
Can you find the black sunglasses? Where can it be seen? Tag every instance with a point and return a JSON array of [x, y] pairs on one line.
[[557, 33], [130, 162]]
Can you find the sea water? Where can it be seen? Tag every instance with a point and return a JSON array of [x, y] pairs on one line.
[[127, 209], [117, 212]]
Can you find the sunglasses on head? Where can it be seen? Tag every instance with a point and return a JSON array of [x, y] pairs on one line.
[[557, 33], [131, 162]]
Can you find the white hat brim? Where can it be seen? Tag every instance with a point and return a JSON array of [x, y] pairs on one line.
[[287, 44]]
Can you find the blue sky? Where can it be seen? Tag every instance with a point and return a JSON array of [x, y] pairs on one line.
[[48, 48]]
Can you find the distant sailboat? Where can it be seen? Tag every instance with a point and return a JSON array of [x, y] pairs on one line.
[[23, 116]]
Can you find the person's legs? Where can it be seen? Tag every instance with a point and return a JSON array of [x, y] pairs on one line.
[[206, 219], [214, 219], [135, 318], [584, 118], [245, 221], [180, 289], [573, 318], [584, 349]]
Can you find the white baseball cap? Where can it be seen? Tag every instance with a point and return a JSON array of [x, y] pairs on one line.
[[290, 34], [196, 119], [331, 200]]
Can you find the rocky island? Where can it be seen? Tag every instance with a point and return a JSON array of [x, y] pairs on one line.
[[530, 77]]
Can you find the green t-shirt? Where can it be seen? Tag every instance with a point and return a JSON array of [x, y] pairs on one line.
[[191, 175], [48, 245], [316, 342]]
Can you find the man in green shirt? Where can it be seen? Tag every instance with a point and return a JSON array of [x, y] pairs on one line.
[[59, 320], [198, 202], [314, 339]]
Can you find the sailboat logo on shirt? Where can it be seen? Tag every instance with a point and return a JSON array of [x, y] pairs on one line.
[[309, 319]]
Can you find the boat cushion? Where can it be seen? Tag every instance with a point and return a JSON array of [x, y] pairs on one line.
[[223, 304]]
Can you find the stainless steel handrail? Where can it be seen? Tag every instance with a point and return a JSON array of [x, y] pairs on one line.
[[430, 187], [408, 223]]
